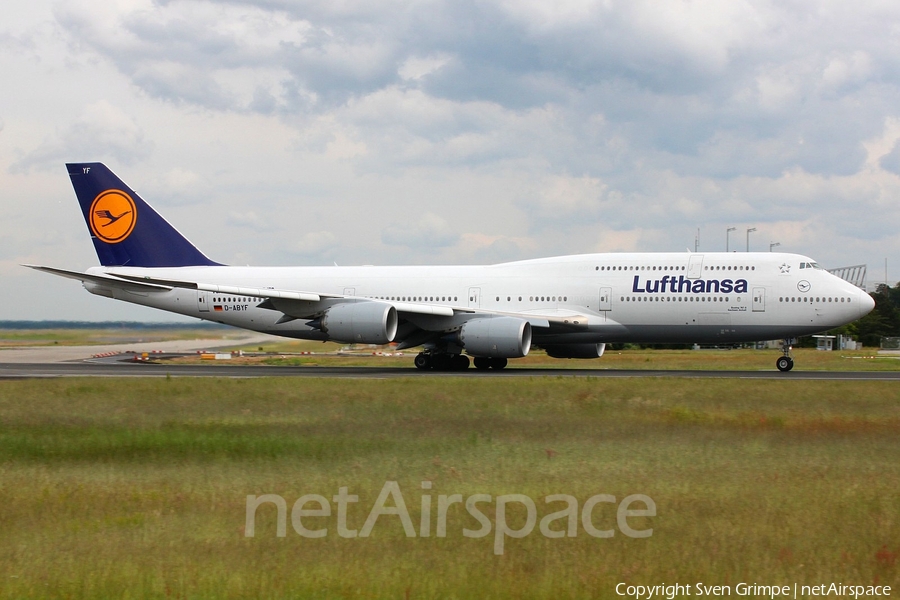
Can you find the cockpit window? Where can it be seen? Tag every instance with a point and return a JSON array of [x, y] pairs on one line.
[[807, 265]]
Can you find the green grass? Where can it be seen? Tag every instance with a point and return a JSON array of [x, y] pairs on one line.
[[136, 487]]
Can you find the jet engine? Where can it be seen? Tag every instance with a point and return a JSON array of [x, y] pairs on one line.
[[360, 322], [575, 350], [501, 337]]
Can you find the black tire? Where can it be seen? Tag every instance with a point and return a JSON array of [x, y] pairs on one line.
[[482, 363], [441, 362], [784, 364], [422, 361], [460, 362], [499, 363]]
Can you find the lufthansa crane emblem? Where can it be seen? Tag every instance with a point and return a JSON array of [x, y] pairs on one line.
[[112, 216], [803, 286]]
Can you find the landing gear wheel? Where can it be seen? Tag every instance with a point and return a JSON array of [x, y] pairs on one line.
[[499, 363], [460, 362], [785, 364], [482, 363], [441, 362], [423, 361]]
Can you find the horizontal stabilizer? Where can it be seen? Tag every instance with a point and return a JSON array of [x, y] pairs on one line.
[[232, 290], [114, 282]]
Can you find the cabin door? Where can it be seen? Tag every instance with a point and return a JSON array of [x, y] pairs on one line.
[[759, 299], [474, 297], [605, 299], [203, 301]]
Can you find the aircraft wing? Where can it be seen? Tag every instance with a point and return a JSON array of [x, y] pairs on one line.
[[420, 322], [302, 304], [299, 304], [291, 302]]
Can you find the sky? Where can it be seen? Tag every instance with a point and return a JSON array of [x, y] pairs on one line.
[[390, 132]]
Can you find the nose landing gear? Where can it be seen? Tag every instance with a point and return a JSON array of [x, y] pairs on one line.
[[785, 363]]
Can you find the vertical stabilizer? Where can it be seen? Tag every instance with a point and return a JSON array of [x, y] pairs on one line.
[[126, 231]]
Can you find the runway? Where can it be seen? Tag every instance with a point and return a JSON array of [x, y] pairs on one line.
[[118, 361], [58, 354], [107, 368]]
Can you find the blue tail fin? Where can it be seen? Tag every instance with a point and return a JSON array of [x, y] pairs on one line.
[[125, 230]]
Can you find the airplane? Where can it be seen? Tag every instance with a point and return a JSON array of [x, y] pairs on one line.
[[570, 306]]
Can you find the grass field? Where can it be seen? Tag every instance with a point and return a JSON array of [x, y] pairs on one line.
[[137, 488]]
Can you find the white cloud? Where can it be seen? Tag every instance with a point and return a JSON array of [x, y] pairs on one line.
[[102, 132], [564, 199], [415, 67], [424, 233], [220, 56], [249, 219], [315, 243], [847, 70]]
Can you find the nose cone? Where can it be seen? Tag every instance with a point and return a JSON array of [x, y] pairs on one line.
[[866, 303]]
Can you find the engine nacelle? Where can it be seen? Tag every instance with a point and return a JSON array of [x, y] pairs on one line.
[[501, 337], [361, 322], [575, 350]]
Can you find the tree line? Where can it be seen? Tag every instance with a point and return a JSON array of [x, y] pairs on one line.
[[883, 321]]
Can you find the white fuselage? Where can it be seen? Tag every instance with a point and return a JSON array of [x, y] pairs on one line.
[[640, 297]]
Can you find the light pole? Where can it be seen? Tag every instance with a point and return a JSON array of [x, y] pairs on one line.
[[727, 233], [748, 237], [773, 244]]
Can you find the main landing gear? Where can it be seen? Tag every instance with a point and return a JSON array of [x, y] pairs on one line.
[[785, 363], [441, 361], [444, 361], [482, 363]]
